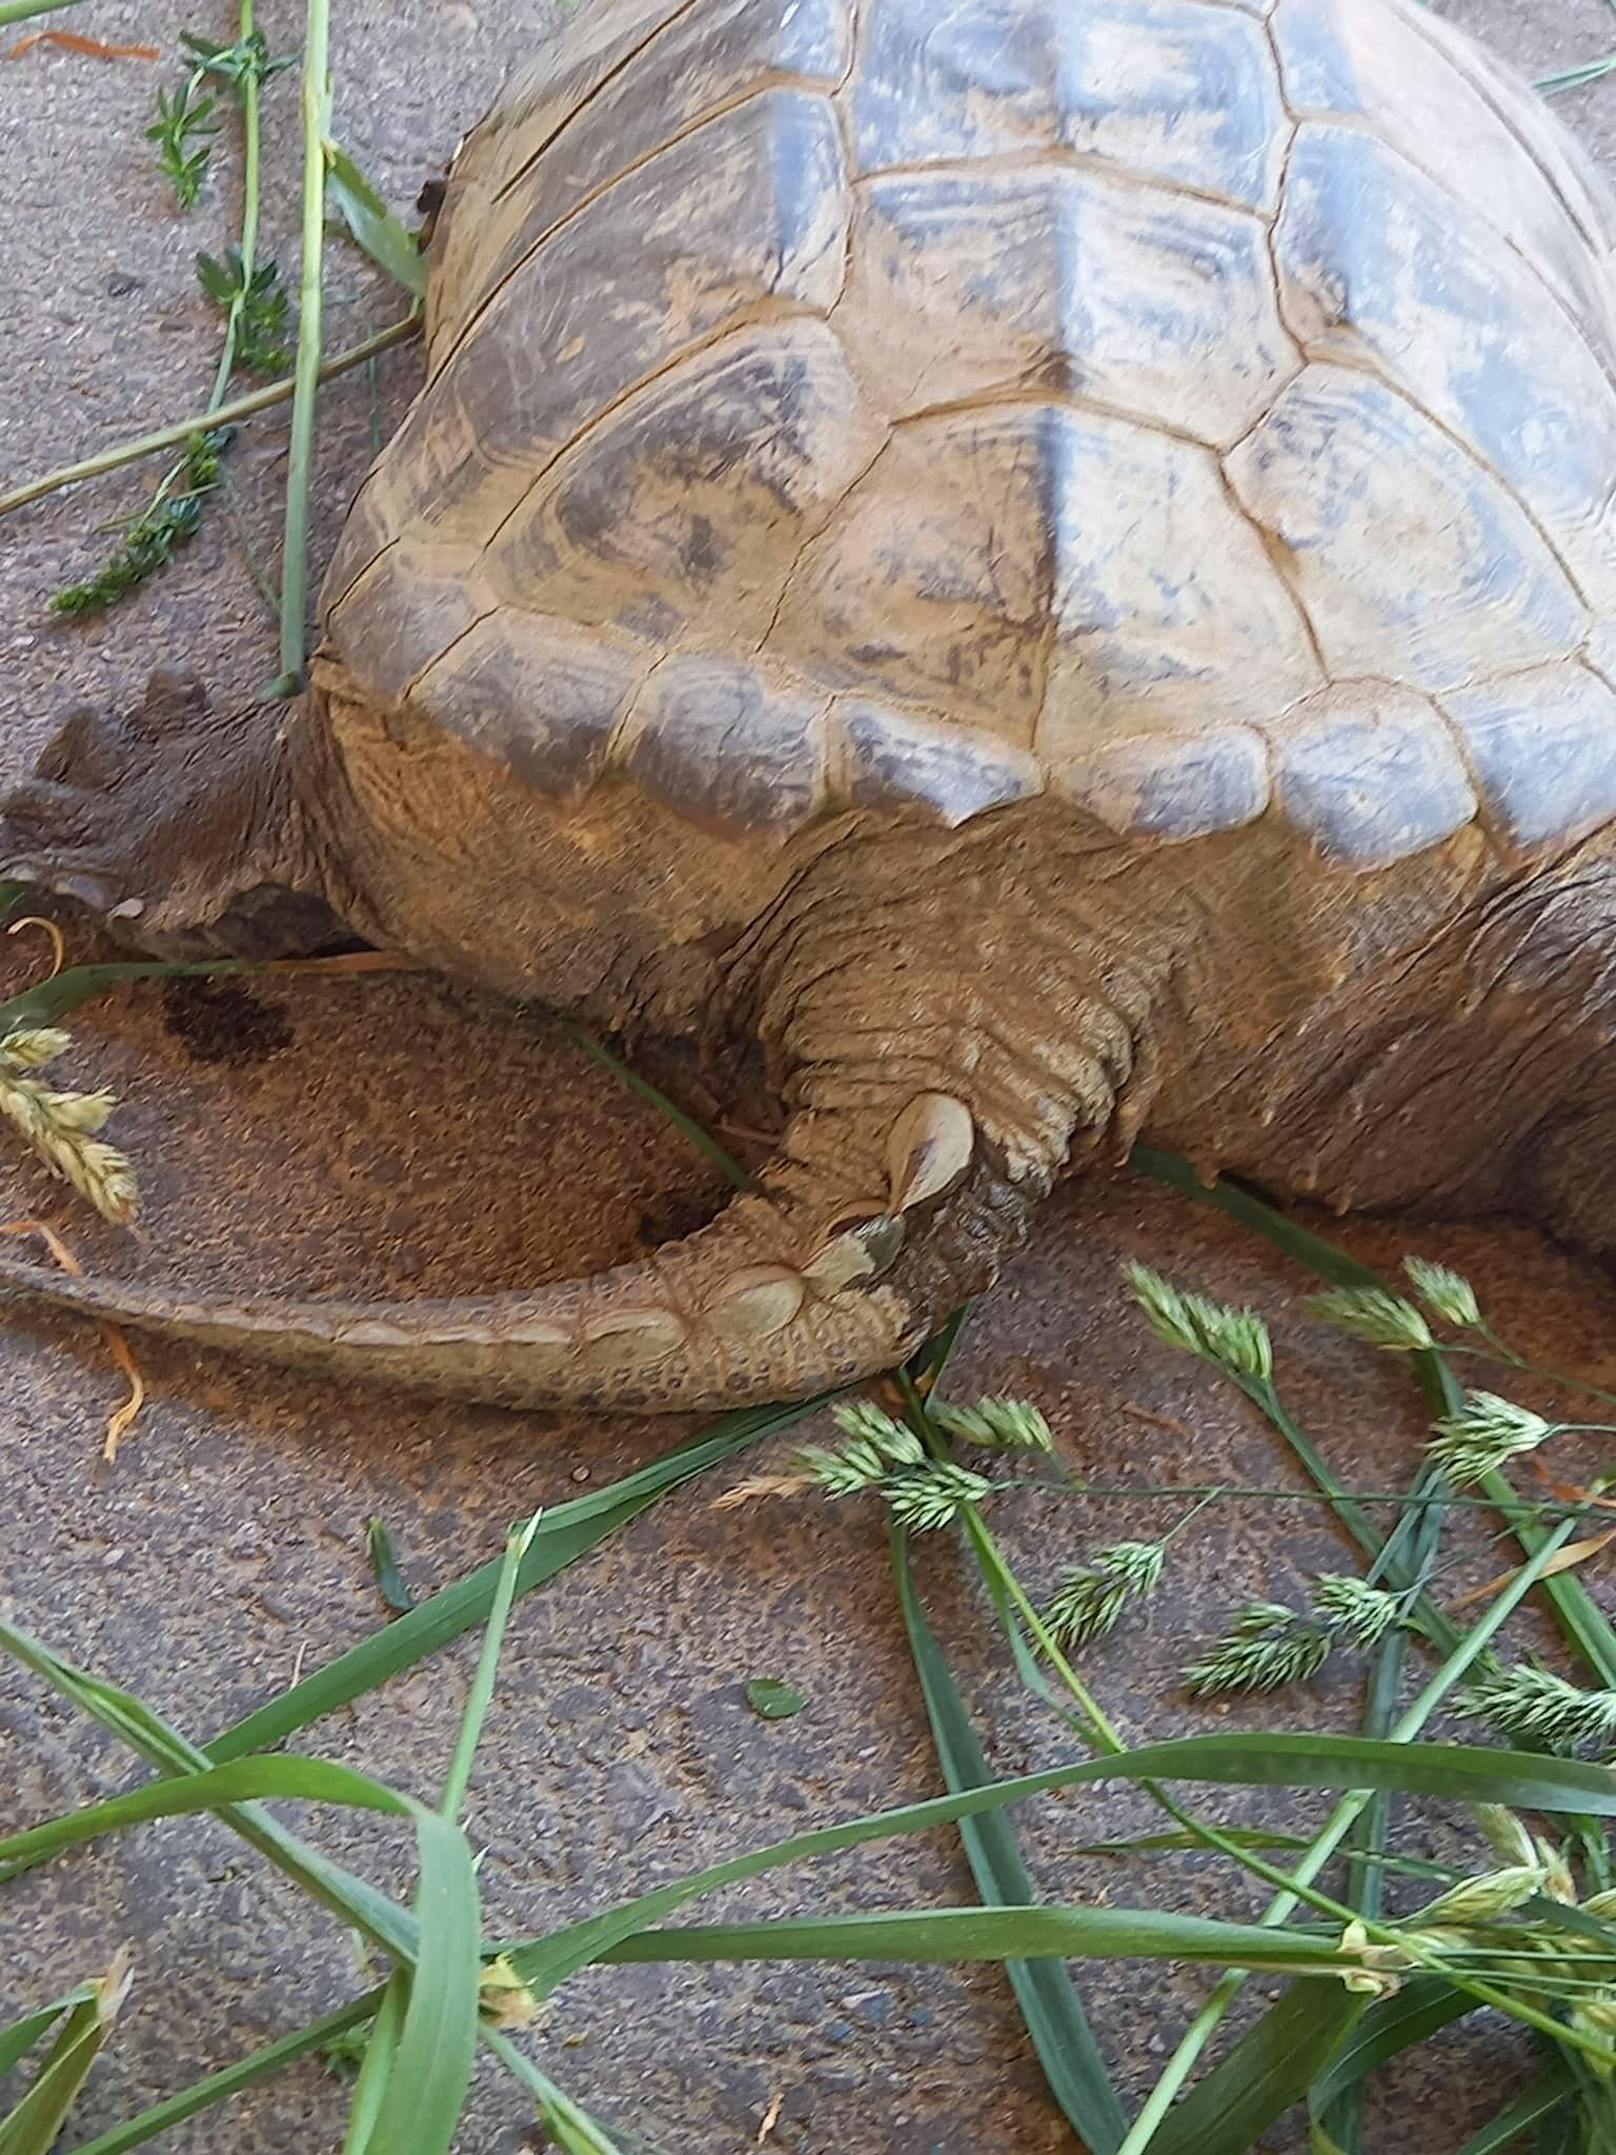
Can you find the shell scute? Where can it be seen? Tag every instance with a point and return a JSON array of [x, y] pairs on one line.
[[1375, 66], [401, 613], [890, 762], [1541, 745], [1380, 266], [1182, 92], [690, 242], [1172, 786], [711, 739], [1369, 771], [969, 284], [543, 697], [1411, 560], [700, 60], [694, 500]]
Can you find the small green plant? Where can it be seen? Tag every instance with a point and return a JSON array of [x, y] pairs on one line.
[[187, 124], [258, 300], [169, 520]]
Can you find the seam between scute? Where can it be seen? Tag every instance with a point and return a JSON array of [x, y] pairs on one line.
[[1059, 154], [612, 73], [803, 84]]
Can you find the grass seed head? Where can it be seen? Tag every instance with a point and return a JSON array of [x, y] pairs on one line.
[[1236, 1340], [1536, 1706], [1362, 1613], [1448, 1294], [1087, 1605], [1481, 1434], [995, 1424], [1373, 1315], [1267, 1647]]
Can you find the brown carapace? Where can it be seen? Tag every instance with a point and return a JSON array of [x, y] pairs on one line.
[[1050, 562]]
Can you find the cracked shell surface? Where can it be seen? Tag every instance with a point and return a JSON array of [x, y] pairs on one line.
[[1157, 403]]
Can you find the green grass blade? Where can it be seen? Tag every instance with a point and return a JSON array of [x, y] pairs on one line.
[[24, 10], [437, 2045], [1050, 2006], [1339, 2119], [1552, 2089], [568, 1532], [965, 1934], [1576, 78], [372, 224], [33, 2127], [1525, 1780], [380, 2051], [571, 2128], [481, 1695], [230, 2080], [699, 1139], [351, 1899], [1264, 2074], [17, 2040], [316, 104], [1392, 2025], [390, 1581], [12, 894], [287, 1774]]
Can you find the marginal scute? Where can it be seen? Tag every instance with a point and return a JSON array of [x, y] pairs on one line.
[[1376, 66], [750, 208], [1412, 561], [540, 696], [1169, 613], [1370, 773], [1543, 746], [890, 761], [712, 740], [1172, 786], [1168, 88], [694, 500], [1380, 266], [401, 614], [702, 59], [971, 284]]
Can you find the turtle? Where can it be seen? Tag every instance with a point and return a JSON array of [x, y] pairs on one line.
[[1045, 567]]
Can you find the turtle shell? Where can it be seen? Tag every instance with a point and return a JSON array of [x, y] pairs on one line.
[[1196, 409]]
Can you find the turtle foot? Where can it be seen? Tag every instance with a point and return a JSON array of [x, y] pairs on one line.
[[173, 823]]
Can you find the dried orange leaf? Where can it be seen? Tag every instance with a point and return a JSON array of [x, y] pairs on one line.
[[70, 41], [1566, 1559]]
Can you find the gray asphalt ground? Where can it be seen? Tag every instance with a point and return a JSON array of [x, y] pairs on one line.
[[405, 1136]]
